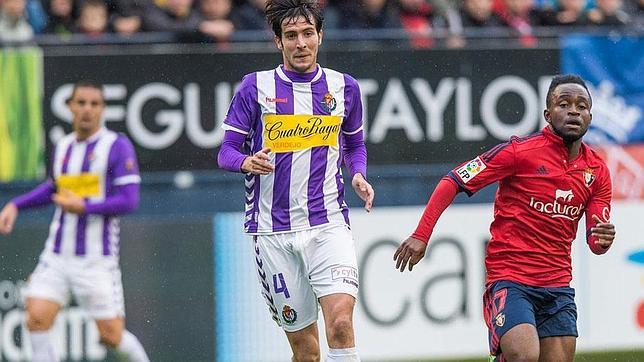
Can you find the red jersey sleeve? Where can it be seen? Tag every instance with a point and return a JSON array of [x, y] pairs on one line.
[[491, 166], [599, 204]]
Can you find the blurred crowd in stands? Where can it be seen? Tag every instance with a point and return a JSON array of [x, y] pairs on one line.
[[218, 20]]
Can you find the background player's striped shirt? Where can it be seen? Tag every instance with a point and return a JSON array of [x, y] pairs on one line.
[[305, 119], [93, 169]]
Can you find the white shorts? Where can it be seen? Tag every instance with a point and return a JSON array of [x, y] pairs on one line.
[[297, 268], [95, 284]]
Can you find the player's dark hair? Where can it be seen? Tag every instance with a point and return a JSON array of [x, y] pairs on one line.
[[86, 83], [278, 11], [564, 79]]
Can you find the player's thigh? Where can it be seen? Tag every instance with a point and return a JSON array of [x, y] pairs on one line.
[[98, 289], [558, 349], [111, 330], [284, 282], [46, 291], [510, 318], [331, 262], [41, 313]]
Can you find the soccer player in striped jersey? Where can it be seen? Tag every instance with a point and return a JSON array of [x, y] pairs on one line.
[[94, 178], [289, 129], [546, 182]]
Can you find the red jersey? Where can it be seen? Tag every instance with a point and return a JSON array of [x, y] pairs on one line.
[[539, 202]]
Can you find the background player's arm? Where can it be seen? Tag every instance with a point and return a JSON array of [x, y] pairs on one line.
[[40, 196], [600, 233]]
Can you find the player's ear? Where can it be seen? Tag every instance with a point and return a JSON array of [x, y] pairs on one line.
[[278, 42], [546, 115], [320, 35]]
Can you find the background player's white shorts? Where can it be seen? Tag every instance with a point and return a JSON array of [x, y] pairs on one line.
[[95, 284], [297, 268]]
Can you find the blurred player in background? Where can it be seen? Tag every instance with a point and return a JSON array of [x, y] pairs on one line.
[[289, 129], [94, 178], [546, 181]]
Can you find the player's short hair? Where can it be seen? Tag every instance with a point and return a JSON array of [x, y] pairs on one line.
[[564, 79], [86, 83], [277, 11]]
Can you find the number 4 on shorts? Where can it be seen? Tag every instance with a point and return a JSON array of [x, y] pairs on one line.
[[281, 288]]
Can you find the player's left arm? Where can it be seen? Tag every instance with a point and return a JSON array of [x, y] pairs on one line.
[[600, 232], [124, 197], [354, 148]]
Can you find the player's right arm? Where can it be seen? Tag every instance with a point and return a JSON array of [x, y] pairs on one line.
[[40, 196], [242, 114], [491, 166]]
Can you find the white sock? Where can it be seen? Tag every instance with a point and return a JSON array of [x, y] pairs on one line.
[[42, 349], [132, 348], [343, 355]]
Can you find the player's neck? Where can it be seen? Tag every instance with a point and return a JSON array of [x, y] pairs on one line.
[[573, 149], [83, 135]]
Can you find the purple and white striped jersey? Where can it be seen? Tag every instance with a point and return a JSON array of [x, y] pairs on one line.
[[305, 119], [91, 169]]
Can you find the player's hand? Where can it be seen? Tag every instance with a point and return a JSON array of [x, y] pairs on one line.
[[259, 163], [8, 217], [410, 251], [364, 190], [69, 202], [604, 232]]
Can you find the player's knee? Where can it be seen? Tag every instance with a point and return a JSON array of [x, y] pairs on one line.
[[522, 355], [341, 330], [306, 356], [38, 322], [111, 337]]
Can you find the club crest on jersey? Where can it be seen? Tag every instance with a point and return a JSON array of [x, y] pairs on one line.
[[589, 177], [289, 315], [499, 319], [470, 169], [329, 103]]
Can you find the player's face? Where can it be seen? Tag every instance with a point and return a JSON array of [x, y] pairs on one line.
[[299, 44], [87, 106], [569, 112]]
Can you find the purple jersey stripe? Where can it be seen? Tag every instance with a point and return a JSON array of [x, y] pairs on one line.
[[339, 182], [317, 211], [106, 235], [59, 232], [82, 219], [280, 210]]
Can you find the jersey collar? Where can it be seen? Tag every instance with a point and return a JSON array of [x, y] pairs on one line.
[[295, 77], [93, 137]]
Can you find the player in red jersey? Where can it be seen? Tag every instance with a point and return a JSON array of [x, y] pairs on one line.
[[546, 182]]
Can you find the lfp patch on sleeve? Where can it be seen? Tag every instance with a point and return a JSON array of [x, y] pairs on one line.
[[470, 169]]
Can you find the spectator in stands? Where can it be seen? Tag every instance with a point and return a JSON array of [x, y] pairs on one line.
[[125, 15], [522, 16], [416, 18], [608, 12], [36, 15], [176, 16], [216, 23], [92, 18], [478, 13], [249, 15], [61, 17], [14, 26], [368, 14], [569, 12]]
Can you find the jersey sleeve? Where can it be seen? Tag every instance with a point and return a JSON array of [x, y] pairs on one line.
[[243, 110], [352, 123], [491, 166], [598, 205], [122, 163]]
